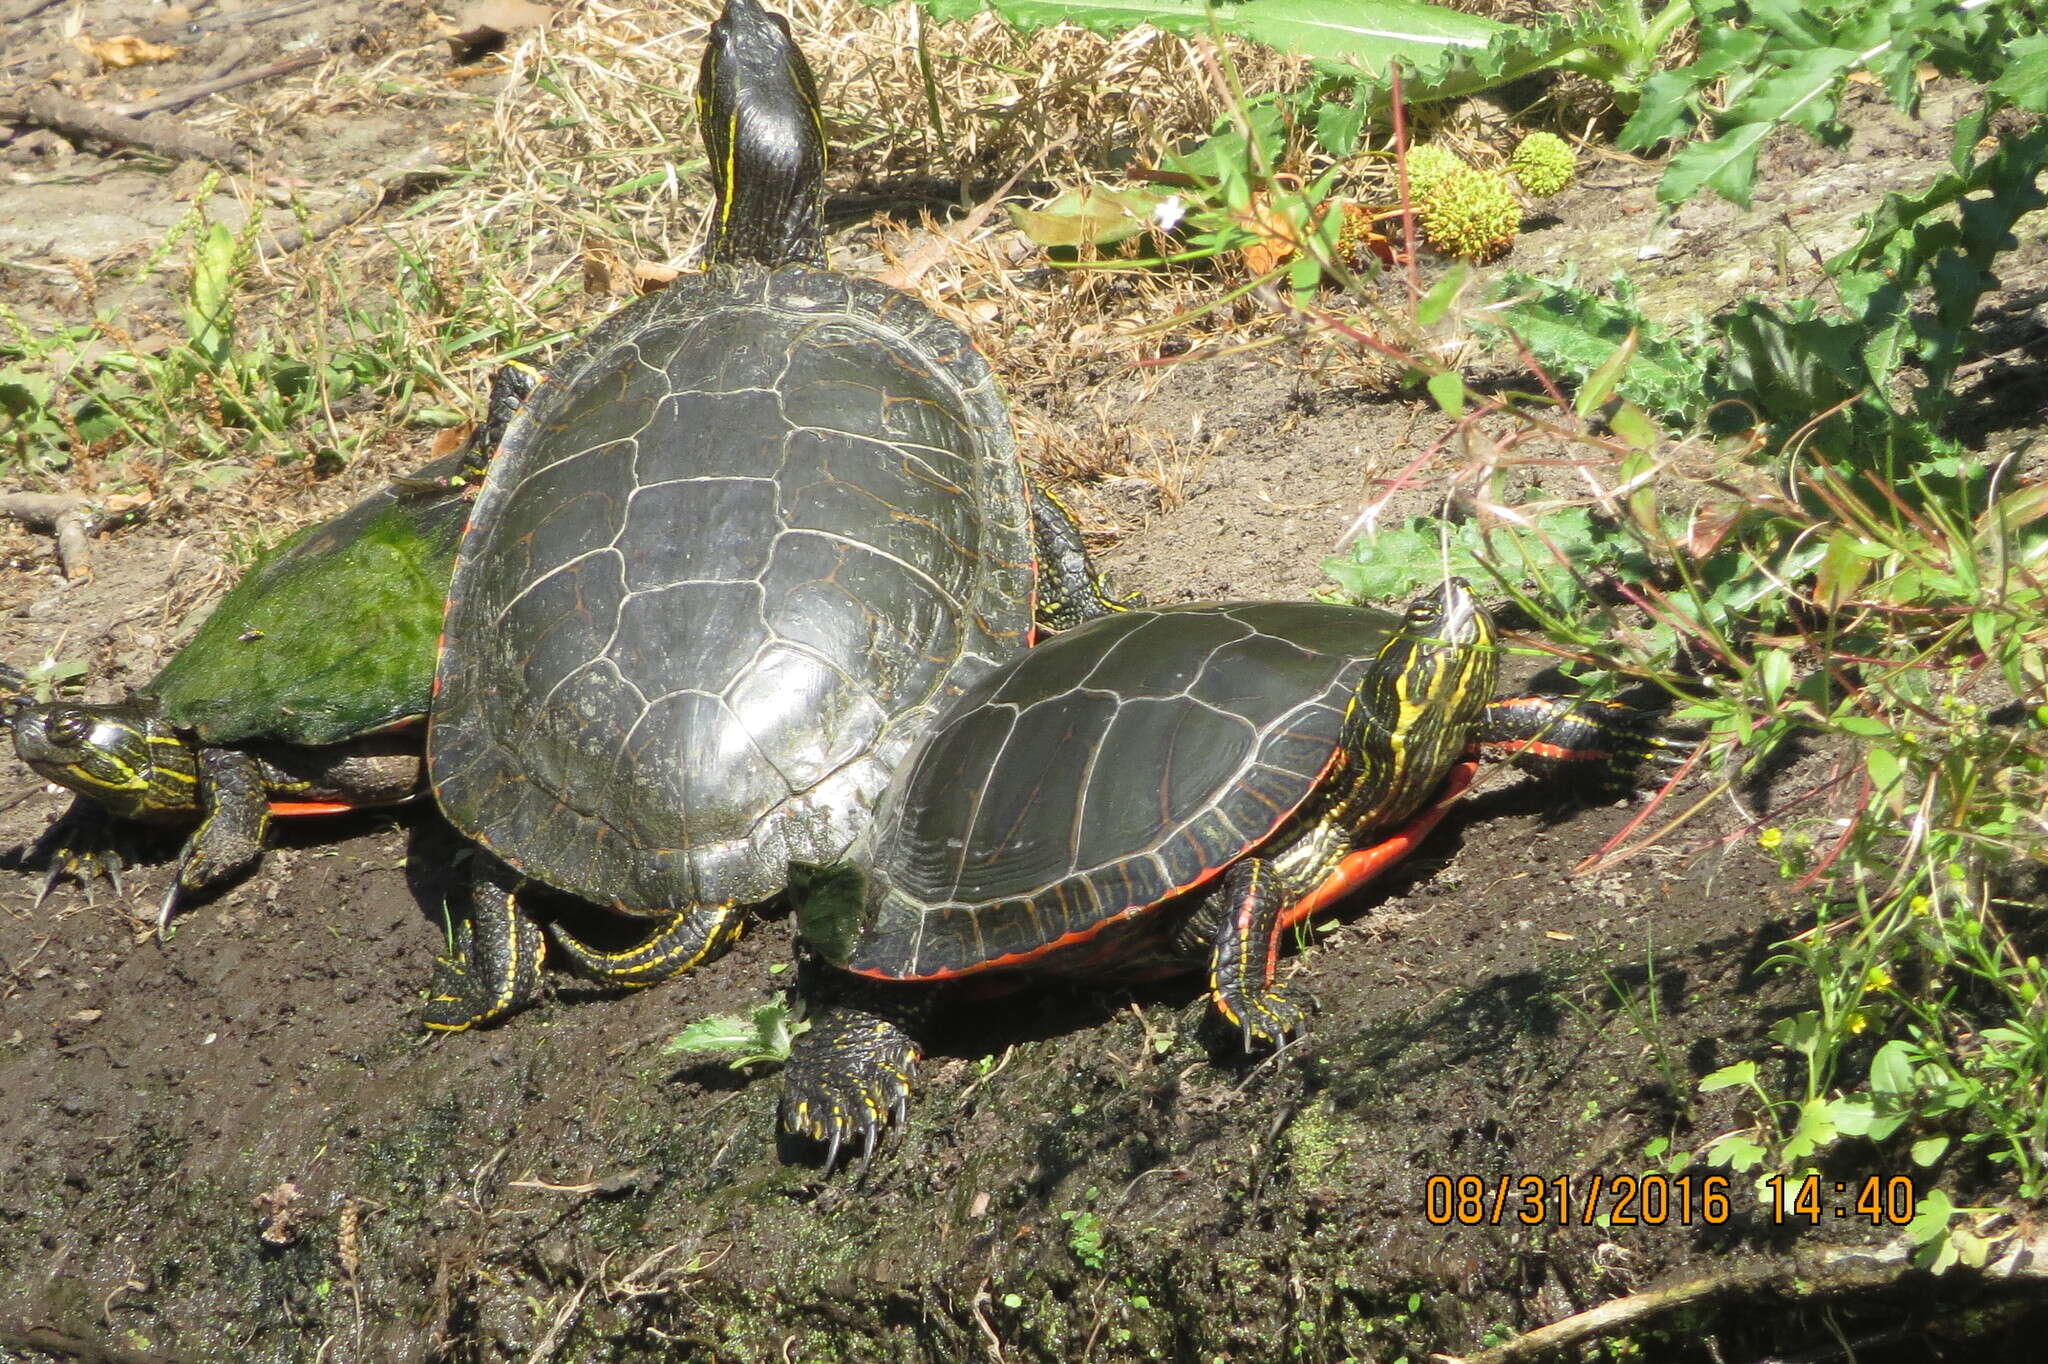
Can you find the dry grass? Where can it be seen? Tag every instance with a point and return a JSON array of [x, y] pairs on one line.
[[579, 161]]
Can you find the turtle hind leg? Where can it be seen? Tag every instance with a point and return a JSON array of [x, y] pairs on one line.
[[1070, 591], [687, 939], [1246, 912], [495, 969], [851, 1069], [1603, 744]]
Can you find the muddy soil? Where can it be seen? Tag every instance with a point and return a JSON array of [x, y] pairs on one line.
[[237, 1144]]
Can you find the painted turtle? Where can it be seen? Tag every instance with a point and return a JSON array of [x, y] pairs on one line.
[[297, 692], [1150, 792], [723, 569]]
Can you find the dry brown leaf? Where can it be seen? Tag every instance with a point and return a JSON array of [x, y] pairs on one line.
[[449, 439], [604, 272], [650, 276], [275, 1221], [487, 22], [126, 50], [1275, 245]]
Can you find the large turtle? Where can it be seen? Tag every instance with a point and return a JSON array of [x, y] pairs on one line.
[[1156, 791], [301, 693], [724, 566]]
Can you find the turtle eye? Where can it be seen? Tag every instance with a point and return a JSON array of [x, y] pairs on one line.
[[69, 727]]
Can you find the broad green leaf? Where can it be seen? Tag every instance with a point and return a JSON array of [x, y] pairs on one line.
[[1368, 35], [1933, 1217], [1103, 16], [1727, 1077], [1448, 388], [1633, 425], [1594, 392], [1434, 304], [1927, 1150], [1801, 93], [2025, 81], [1664, 111], [1094, 215], [1338, 126], [1574, 333], [1815, 1129]]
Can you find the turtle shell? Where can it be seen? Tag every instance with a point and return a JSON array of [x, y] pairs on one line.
[[329, 636], [724, 567], [1103, 773]]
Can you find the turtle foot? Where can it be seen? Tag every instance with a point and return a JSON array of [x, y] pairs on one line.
[[493, 973], [848, 1077], [84, 845], [1263, 1019]]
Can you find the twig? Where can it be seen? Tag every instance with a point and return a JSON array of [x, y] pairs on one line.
[[15, 1335], [564, 1319], [26, 9], [249, 18], [74, 521], [177, 99], [1808, 1276], [165, 136], [362, 196]]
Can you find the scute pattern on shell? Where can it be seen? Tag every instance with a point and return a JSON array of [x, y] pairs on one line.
[[724, 567], [1100, 774]]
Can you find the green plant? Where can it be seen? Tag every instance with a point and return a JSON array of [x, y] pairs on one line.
[[1444, 53], [1543, 164], [1085, 1233], [764, 1035], [1470, 215]]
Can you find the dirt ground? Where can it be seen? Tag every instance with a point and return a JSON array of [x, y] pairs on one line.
[[1084, 1176]]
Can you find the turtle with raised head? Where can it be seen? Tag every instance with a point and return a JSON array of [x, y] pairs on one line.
[[753, 531], [1159, 791]]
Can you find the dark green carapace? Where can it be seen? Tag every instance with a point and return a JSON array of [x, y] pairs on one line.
[[1157, 791]]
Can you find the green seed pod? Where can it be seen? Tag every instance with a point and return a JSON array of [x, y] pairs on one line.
[[1428, 165], [1543, 163], [1472, 215]]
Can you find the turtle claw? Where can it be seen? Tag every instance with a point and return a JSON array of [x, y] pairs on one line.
[[848, 1077], [1268, 1018]]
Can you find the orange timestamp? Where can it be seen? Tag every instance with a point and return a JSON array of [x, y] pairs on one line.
[[1650, 1200]]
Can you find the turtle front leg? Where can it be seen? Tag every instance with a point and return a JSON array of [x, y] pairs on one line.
[[1601, 742], [689, 938], [229, 838], [1070, 591], [1246, 916], [850, 1072], [85, 842], [495, 969]]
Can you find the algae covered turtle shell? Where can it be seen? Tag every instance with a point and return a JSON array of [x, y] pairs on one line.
[[332, 634]]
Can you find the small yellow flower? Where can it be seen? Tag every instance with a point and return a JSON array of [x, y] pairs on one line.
[[1876, 978], [1920, 904], [1769, 839], [1858, 1023]]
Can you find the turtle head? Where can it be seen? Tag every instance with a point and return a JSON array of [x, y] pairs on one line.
[[122, 756], [1434, 676], [758, 106]]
